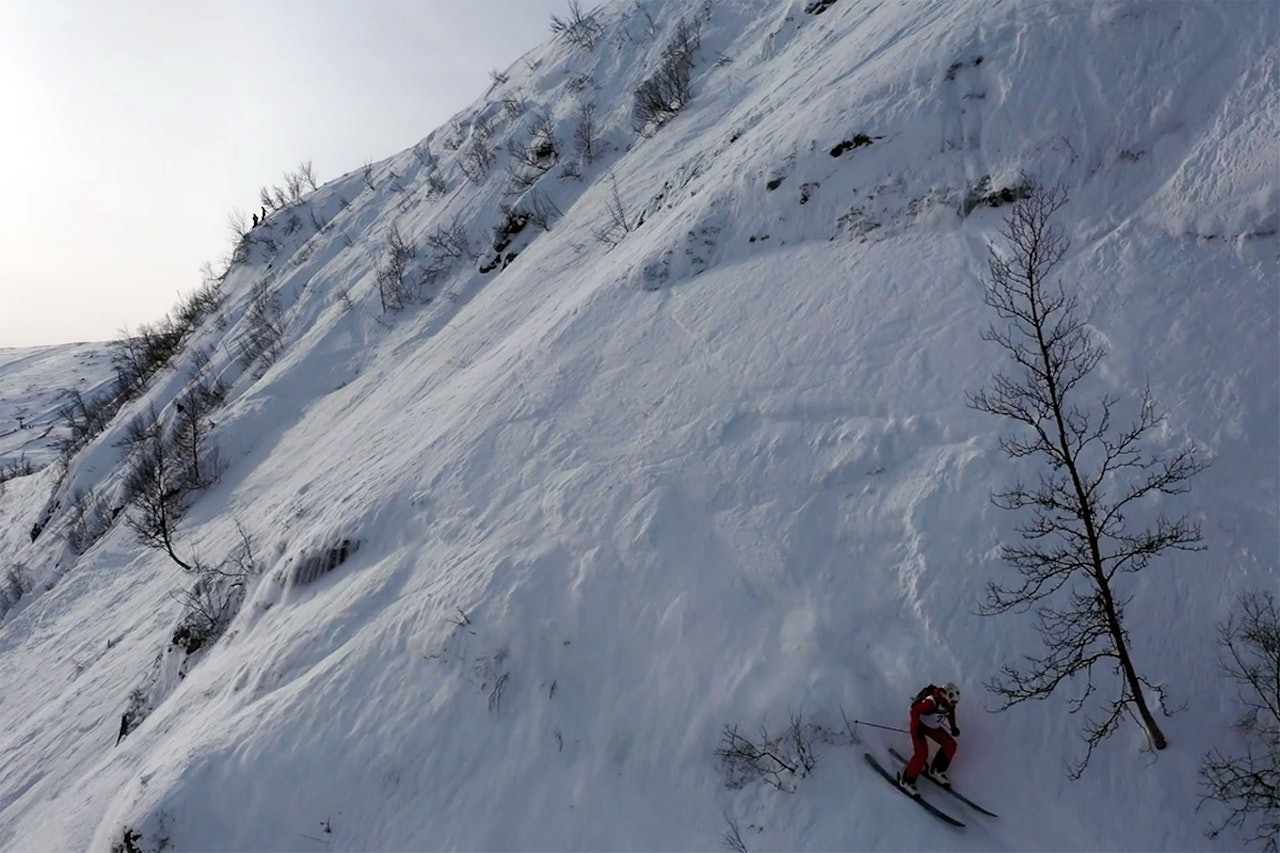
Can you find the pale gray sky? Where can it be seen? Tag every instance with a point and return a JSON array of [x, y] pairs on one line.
[[131, 128]]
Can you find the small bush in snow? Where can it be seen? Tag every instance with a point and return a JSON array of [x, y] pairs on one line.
[[450, 243], [586, 133], [90, 517], [395, 287], [1248, 784], [20, 467], [260, 344], [209, 605], [659, 98], [579, 29], [776, 760], [214, 599], [13, 586], [296, 185], [620, 221], [85, 418], [532, 158], [477, 156], [731, 838]]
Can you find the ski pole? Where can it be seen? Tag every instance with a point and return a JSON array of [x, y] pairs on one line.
[[878, 726]]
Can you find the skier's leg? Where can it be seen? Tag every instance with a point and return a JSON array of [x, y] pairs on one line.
[[942, 760], [919, 755]]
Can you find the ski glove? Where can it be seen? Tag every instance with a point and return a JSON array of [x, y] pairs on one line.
[[955, 731]]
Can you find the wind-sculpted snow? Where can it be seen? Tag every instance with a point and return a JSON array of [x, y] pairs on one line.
[[693, 452]]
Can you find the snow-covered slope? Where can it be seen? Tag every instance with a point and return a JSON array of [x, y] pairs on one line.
[[698, 455]]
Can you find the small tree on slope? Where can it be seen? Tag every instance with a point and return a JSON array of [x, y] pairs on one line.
[[1248, 784], [1077, 539]]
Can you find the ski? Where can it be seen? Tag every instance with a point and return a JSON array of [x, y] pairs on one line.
[[950, 790], [920, 801]]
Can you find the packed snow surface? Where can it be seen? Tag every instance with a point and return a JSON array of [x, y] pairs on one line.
[[695, 455]]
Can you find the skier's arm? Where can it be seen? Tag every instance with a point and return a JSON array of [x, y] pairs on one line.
[[951, 718]]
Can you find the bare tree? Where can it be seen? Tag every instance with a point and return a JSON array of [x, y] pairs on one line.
[[1249, 784], [1079, 538], [586, 135], [153, 488], [307, 175]]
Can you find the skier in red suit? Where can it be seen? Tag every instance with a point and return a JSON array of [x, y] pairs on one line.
[[932, 708]]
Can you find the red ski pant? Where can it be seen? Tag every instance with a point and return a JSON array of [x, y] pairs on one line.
[[921, 754]]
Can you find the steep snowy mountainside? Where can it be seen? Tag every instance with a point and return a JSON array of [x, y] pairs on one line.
[[562, 441]]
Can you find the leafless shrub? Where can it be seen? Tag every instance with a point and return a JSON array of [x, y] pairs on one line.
[[261, 342], [434, 185], [138, 356], [395, 290], [496, 78], [366, 174], [514, 107], [731, 838], [478, 156], [651, 26], [777, 761], [20, 467], [659, 98], [579, 29], [295, 186], [86, 418], [194, 307], [15, 584], [1248, 785], [450, 242], [578, 82], [586, 134], [214, 599], [532, 158], [197, 468], [495, 695], [89, 517], [620, 223], [539, 211]]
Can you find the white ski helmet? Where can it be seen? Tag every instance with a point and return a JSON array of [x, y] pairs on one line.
[[951, 692]]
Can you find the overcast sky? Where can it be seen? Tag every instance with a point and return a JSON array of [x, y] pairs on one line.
[[131, 128]]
